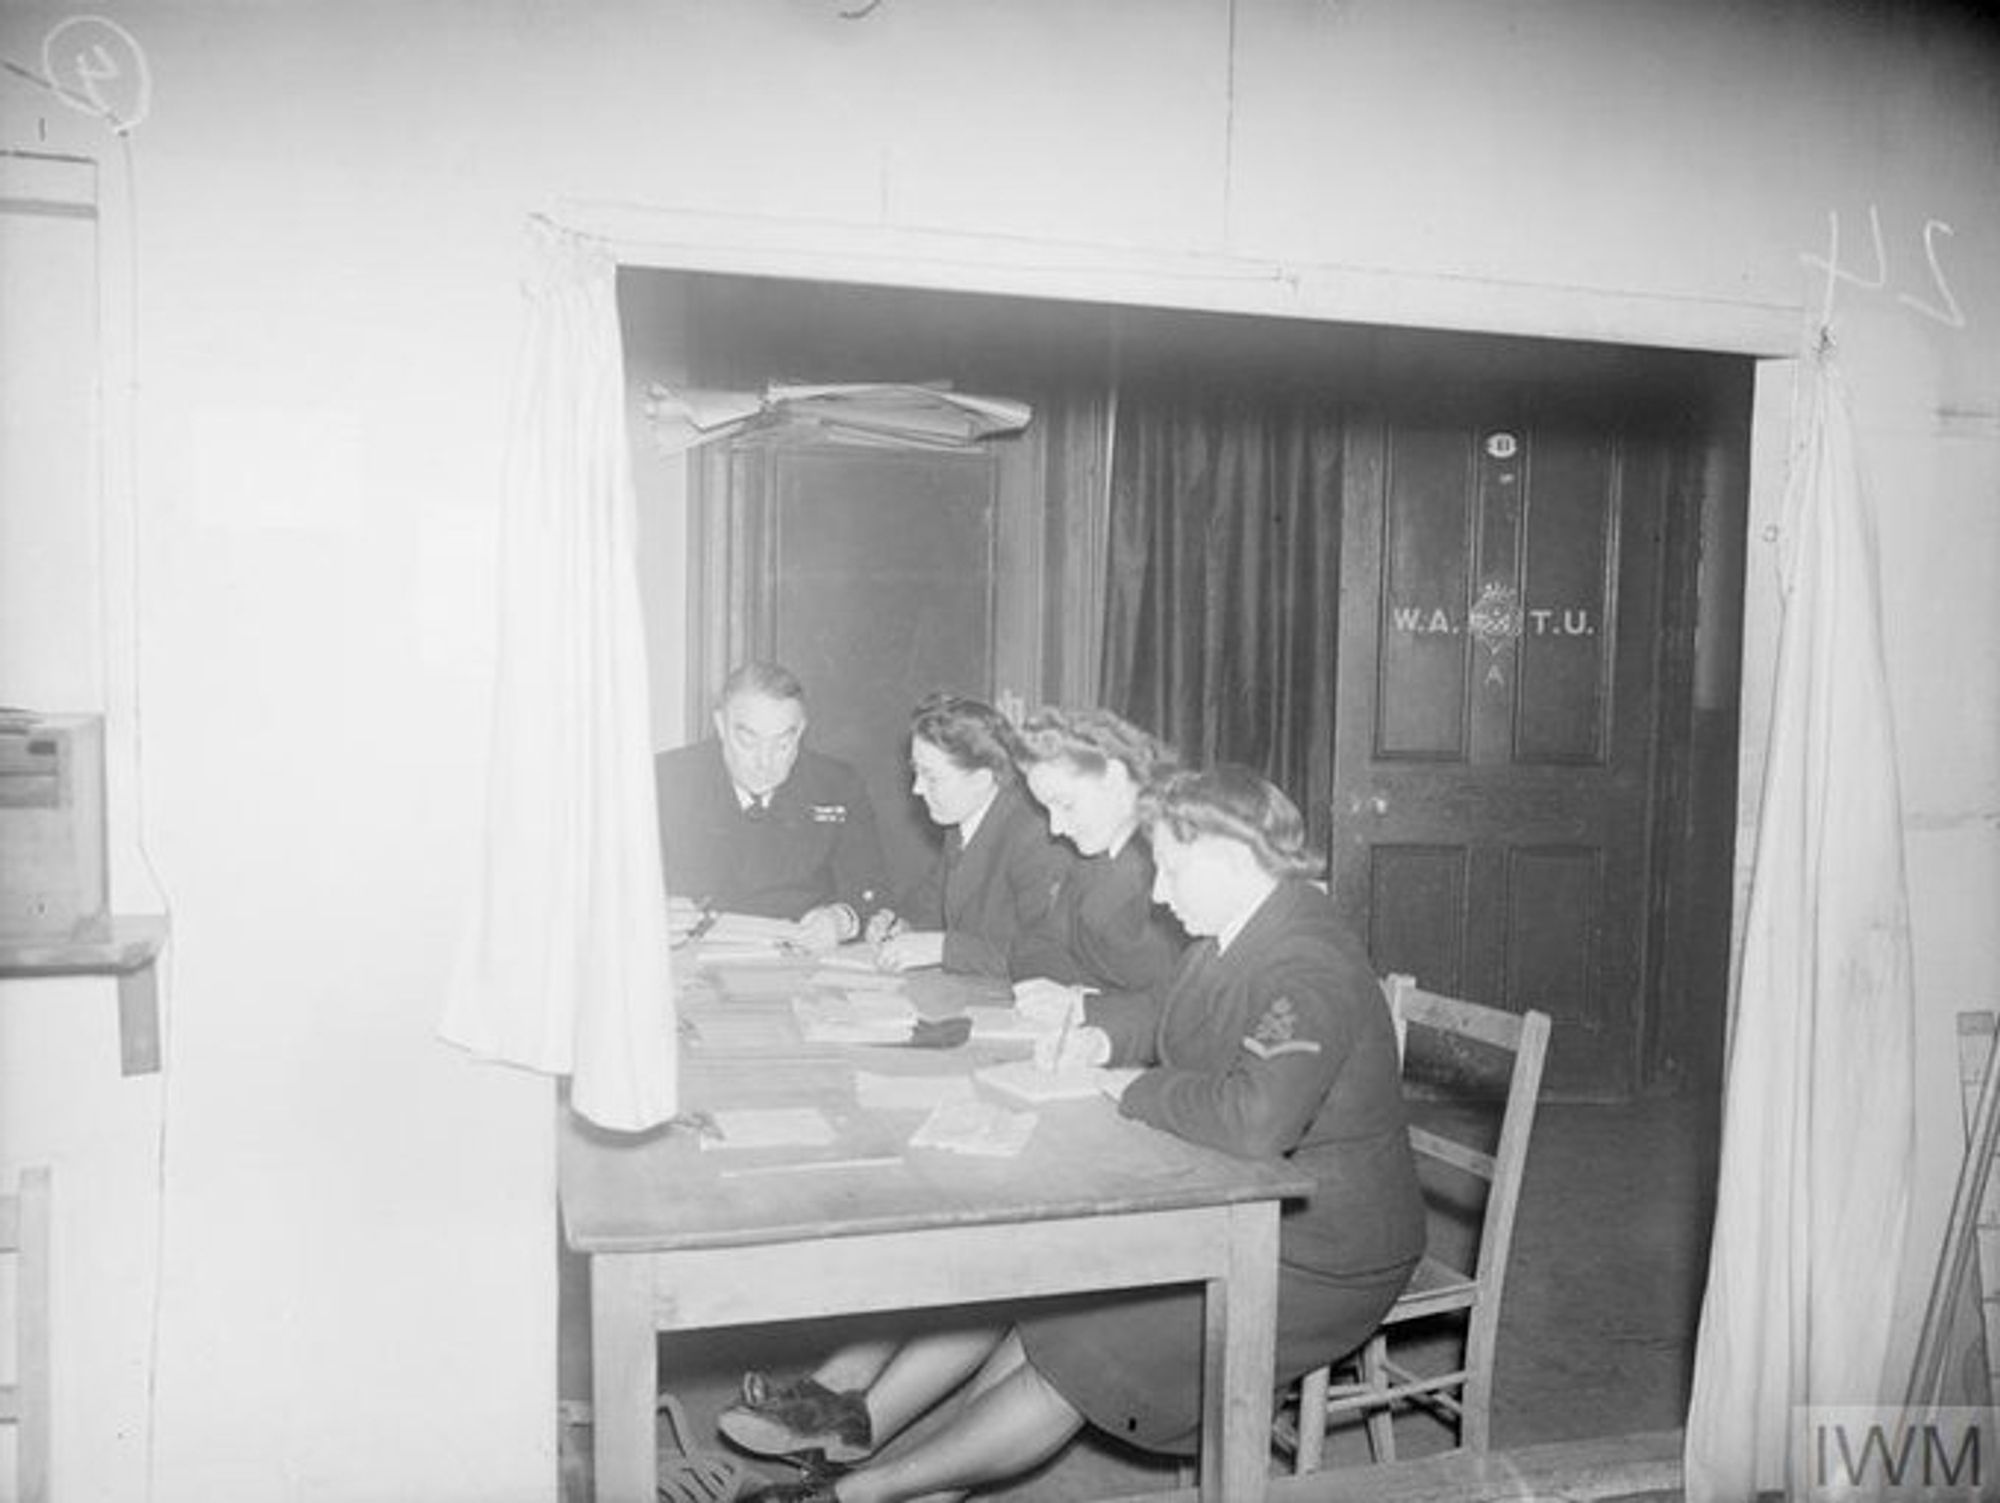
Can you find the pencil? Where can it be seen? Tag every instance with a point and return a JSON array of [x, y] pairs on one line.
[[1062, 1038]]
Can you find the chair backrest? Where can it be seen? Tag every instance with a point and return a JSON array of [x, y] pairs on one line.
[[24, 1403], [1524, 1036]]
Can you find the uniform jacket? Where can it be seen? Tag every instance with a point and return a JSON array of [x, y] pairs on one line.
[[987, 895], [1104, 931], [815, 844], [1282, 1046]]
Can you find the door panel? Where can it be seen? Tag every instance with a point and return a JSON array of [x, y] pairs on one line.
[[1491, 796]]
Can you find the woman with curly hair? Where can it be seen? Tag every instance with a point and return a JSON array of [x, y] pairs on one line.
[[1104, 934]]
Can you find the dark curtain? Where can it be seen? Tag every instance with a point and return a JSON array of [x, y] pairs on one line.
[[1222, 575]]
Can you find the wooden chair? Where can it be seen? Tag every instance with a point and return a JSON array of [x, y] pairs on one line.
[[1465, 1392], [24, 1403], [1957, 1362]]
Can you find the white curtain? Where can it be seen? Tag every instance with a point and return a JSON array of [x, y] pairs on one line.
[[1818, 1107], [564, 965]]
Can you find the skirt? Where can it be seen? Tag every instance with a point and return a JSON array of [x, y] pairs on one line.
[[1130, 1362]]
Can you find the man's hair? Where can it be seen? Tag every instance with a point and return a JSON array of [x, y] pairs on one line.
[[772, 680]]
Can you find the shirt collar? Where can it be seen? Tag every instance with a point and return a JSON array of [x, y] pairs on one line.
[[1227, 934], [969, 827]]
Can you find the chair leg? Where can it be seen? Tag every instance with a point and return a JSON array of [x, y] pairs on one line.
[[1312, 1422], [1381, 1421]]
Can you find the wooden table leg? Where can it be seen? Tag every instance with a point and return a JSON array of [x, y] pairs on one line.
[[139, 1021], [1238, 1357], [623, 1378]]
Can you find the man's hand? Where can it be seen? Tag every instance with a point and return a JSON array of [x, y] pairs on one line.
[[828, 925]]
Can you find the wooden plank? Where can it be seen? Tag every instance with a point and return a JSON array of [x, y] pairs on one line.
[[1953, 1288], [1423, 1009], [1446, 1150], [33, 1311], [940, 1265]]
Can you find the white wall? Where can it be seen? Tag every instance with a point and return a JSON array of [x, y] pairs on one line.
[[358, 1291]]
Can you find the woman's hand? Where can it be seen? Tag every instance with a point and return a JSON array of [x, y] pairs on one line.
[[910, 949], [1084, 1048], [883, 924]]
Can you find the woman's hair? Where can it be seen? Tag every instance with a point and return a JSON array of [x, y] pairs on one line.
[[1090, 740], [971, 733], [1237, 804]]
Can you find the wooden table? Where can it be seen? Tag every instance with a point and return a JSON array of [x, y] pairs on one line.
[[679, 1239]]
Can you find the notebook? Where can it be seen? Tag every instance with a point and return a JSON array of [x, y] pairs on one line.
[[1024, 1080]]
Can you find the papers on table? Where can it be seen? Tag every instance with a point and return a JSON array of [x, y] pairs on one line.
[[978, 1128], [746, 1030], [739, 938], [769, 1127], [993, 1024], [844, 978], [858, 1017], [750, 929], [857, 958], [1024, 1080]]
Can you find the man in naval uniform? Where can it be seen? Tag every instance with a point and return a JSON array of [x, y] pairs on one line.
[[754, 821]]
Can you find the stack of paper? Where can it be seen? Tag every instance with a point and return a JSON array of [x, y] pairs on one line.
[[975, 1127], [1008, 1025], [898, 415], [855, 1018], [845, 978], [857, 956], [772, 1127]]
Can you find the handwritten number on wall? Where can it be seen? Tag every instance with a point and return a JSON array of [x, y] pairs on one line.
[[1946, 311], [1951, 316]]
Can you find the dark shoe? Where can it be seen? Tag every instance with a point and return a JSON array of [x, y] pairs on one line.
[[788, 1419]]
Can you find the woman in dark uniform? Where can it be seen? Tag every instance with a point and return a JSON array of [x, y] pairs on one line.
[[996, 878], [1104, 933], [1273, 1040]]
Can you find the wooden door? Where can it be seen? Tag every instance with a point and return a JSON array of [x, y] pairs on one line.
[[871, 575], [1500, 608]]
